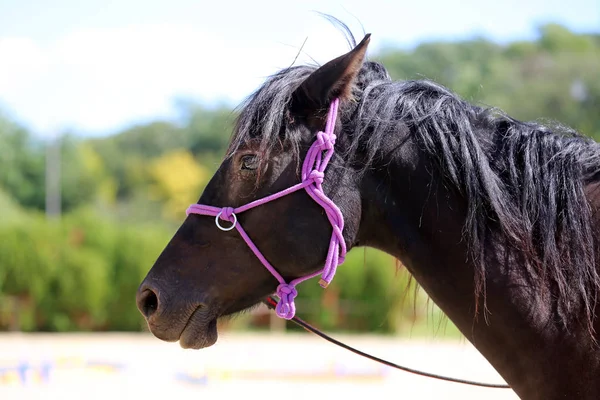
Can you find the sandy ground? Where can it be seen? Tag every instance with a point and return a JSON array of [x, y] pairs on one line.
[[240, 366]]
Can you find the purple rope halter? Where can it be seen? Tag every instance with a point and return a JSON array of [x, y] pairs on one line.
[[313, 172]]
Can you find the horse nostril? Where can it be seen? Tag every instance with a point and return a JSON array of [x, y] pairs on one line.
[[148, 303]]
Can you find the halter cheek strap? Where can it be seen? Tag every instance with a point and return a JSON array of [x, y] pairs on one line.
[[313, 173]]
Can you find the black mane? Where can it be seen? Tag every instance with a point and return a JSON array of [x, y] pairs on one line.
[[523, 182]]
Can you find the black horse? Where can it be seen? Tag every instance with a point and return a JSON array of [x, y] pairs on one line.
[[495, 218]]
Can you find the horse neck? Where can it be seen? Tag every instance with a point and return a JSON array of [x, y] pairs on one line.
[[412, 216], [409, 213]]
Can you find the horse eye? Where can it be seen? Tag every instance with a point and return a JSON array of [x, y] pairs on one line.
[[249, 162]]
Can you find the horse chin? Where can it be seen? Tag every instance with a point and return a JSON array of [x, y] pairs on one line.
[[201, 329], [199, 333]]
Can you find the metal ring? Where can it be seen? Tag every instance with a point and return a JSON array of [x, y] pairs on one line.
[[219, 224]]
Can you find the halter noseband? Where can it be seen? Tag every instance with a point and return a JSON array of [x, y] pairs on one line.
[[313, 172]]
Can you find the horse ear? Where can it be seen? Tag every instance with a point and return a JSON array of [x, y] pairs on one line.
[[329, 81]]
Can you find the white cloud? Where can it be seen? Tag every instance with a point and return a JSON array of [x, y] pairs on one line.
[[97, 80], [20, 57], [103, 73]]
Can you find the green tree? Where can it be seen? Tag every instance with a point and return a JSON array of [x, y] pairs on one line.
[[554, 78], [21, 165]]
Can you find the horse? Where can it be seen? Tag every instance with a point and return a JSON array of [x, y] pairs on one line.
[[495, 218]]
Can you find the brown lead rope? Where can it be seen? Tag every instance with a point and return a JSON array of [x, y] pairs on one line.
[[271, 302]]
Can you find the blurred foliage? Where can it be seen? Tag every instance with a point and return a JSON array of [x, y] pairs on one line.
[[554, 78], [21, 165], [369, 290], [124, 195], [177, 181], [76, 273]]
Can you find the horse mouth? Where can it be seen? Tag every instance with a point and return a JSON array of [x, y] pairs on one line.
[[199, 332]]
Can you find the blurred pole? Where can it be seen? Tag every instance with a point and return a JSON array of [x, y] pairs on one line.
[[53, 195]]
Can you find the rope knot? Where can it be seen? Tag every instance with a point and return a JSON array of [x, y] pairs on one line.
[[317, 176], [286, 307], [320, 138], [227, 214], [325, 140]]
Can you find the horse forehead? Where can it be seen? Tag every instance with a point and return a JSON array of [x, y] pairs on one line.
[[248, 144]]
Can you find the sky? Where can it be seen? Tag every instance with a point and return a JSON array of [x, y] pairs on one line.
[[95, 67]]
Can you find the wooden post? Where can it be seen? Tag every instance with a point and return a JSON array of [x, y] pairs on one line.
[[53, 192]]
